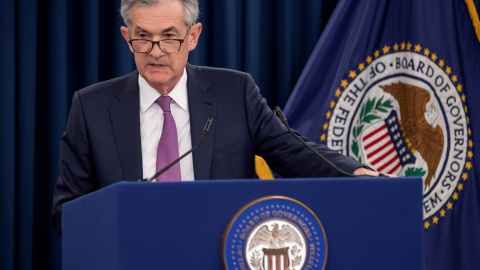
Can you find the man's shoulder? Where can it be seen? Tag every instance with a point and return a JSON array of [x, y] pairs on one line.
[[214, 72], [110, 86]]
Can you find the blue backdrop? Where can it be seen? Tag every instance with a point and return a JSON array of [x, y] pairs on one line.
[[51, 48]]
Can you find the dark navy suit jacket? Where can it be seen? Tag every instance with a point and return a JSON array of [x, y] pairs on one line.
[[102, 143]]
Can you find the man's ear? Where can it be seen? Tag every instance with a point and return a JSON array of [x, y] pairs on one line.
[[126, 36], [195, 32]]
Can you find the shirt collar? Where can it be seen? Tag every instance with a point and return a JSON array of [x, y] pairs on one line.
[[148, 94]]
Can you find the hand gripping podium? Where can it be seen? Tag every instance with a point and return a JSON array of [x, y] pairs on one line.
[[368, 224]]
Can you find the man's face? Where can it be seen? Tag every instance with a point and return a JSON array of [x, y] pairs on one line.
[[164, 20]]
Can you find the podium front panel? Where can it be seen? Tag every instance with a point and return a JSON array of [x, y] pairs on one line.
[[368, 223]]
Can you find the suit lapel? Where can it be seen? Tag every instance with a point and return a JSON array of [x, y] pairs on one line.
[[126, 127], [201, 106]]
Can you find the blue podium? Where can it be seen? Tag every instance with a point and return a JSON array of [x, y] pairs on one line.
[[368, 223]]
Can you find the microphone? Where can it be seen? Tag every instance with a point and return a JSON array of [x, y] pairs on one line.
[[206, 129], [284, 121]]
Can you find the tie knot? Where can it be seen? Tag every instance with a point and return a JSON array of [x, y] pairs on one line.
[[164, 103]]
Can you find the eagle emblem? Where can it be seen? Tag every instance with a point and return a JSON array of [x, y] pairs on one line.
[[275, 238], [278, 244], [417, 124], [405, 114], [274, 233]]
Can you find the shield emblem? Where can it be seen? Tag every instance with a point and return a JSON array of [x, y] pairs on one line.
[[275, 259], [385, 150]]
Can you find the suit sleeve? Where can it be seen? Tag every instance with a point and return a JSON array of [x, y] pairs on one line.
[[76, 174], [283, 153]]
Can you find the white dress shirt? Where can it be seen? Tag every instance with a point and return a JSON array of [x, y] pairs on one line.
[[151, 124]]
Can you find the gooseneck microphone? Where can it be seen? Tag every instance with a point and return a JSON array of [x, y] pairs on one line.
[[284, 121], [206, 129]]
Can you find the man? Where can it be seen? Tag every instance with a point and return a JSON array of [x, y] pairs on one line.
[[115, 127]]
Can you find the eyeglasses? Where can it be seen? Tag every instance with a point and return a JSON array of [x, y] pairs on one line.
[[165, 45]]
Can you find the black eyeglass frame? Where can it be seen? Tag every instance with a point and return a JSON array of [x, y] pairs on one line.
[[158, 43]]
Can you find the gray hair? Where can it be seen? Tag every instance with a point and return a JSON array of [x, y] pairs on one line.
[[190, 17]]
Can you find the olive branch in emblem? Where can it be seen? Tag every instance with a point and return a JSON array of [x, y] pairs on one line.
[[256, 260], [415, 172], [297, 261], [368, 113]]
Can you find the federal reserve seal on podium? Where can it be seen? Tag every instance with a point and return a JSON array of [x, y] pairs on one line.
[[274, 233]]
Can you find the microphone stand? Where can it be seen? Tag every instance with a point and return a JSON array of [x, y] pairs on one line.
[[335, 167]]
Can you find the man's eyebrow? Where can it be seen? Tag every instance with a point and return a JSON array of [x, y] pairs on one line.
[[139, 29], [170, 29]]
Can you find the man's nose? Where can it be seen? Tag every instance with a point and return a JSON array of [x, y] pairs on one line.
[[156, 51]]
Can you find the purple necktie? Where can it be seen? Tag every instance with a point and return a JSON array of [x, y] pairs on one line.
[[167, 150]]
